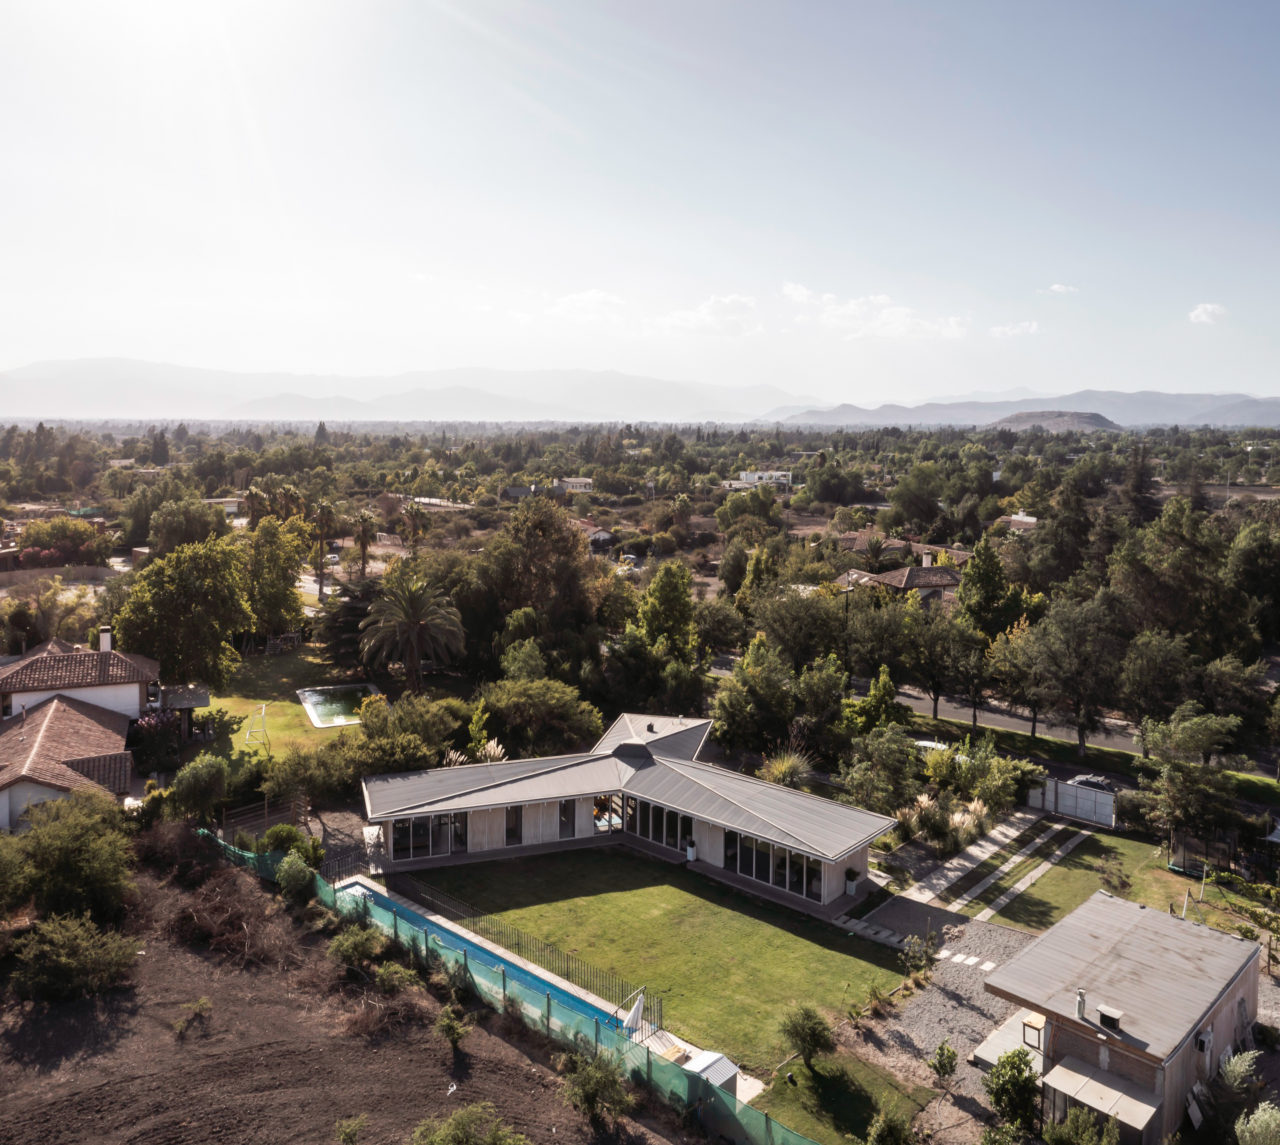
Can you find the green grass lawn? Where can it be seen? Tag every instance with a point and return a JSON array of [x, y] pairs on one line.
[[1046, 846], [728, 967], [839, 1098], [274, 681]]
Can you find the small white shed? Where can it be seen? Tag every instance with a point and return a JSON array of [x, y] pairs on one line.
[[716, 1068]]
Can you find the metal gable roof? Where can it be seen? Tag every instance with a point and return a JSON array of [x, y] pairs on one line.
[[672, 736], [794, 819]]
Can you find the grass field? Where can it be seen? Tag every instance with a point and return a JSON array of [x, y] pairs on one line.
[[728, 967], [274, 681], [839, 1099]]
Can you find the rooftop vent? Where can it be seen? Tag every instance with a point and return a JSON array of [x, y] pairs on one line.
[[1080, 1002], [1109, 1017]]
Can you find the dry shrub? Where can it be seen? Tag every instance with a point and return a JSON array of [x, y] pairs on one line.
[[232, 916], [378, 1015], [176, 851]]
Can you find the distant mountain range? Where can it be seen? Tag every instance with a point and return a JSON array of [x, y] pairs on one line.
[[1147, 407], [1056, 421], [122, 389]]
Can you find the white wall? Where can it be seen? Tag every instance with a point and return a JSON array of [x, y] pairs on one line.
[[16, 798], [123, 698], [585, 825], [487, 830], [709, 840]]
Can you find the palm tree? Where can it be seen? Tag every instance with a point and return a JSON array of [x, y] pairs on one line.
[[875, 551], [418, 520], [326, 520], [413, 622], [258, 504], [364, 533]]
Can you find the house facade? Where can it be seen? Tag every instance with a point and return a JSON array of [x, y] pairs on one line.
[[641, 786], [117, 681], [1132, 1008]]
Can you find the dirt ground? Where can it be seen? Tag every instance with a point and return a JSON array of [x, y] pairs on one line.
[[272, 1063]]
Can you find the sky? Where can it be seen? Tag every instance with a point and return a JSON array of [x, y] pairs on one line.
[[854, 201]]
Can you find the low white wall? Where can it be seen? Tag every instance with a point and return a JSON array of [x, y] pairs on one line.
[[16, 798], [123, 698]]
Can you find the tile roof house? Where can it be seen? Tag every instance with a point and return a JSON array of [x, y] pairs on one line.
[[119, 681], [1132, 1009], [57, 746], [641, 786], [932, 582]]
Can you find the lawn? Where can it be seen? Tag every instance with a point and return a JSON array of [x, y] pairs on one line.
[[728, 967], [839, 1098], [1143, 876], [1054, 838], [274, 681]]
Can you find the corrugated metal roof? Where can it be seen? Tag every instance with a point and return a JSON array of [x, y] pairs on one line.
[[716, 1068], [671, 736], [793, 819], [1164, 973]]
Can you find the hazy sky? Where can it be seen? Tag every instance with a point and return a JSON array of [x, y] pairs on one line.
[[862, 201]]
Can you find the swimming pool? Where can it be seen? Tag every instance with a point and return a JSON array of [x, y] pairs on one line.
[[336, 706], [512, 972]]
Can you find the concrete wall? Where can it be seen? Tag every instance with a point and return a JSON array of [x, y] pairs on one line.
[[710, 842], [487, 830], [541, 823], [128, 699], [585, 821]]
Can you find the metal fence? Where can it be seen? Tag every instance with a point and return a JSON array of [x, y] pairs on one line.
[[1067, 799], [602, 983]]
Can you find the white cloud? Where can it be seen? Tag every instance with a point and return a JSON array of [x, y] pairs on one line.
[[872, 316], [1207, 313], [588, 306], [1060, 288], [731, 314], [1014, 330]]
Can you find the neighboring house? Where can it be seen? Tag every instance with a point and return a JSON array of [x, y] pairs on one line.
[[57, 746], [118, 681], [932, 582], [573, 484], [856, 542], [1018, 522], [641, 786], [750, 478], [1129, 1010], [517, 492]]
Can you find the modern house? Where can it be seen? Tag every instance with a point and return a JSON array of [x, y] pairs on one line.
[[779, 479], [641, 786], [57, 746], [1129, 1010], [117, 681]]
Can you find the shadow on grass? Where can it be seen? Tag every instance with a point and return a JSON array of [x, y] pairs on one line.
[[47, 1035], [538, 880], [849, 1107]]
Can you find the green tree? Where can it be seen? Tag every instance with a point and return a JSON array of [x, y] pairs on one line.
[[274, 554], [67, 956], [541, 717], [325, 519], [717, 626], [594, 1086], [199, 786], [364, 532], [666, 609], [754, 706], [477, 1124], [1261, 1127], [76, 857], [412, 622], [1011, 1087], [943, 1063], [883, 772], [185, 522], [1016, 671], [807, 1032], [185, 609], [933, 663], [983, 594], [733, 567], [1154, 677], [880, 708]]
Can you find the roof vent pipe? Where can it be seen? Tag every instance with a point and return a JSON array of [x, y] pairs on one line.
[[1080, 1002]]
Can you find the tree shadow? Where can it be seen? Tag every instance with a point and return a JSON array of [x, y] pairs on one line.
[[45, 1036], [1030, 910], [850, 1107]]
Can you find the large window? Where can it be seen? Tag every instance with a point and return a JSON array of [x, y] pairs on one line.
[[644, 819], [568, 818], [421, 836], [425, 836], [460, 832], [762, 861], [631, 814], [659, 817], [673, 829], [686, 830], [747, 857], [608, 814], [731, 850], [400, 839], [515, 826], [439, 834]]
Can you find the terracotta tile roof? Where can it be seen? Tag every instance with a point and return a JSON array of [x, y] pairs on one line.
[[66, 743], [904, 579], [56, 665]]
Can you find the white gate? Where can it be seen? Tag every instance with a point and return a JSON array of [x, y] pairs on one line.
[[1058, 797]]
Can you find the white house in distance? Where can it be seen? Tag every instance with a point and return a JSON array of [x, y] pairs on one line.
[[573, 484], [640, 786]]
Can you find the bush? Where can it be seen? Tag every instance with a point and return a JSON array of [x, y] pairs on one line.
[[199, 786], [78, 857], [295, 879], [1011, 1086], [594, 1086], [232, 916], [174, 849], [477, 1124], [808, 1033], [1261, 1127], [452, 1026], [282, 837], [309, 851], [889, 1129], [1081, 1128], [66, 956], [246, 841], [392, 978], [197, 1014], [346, 1131], [378, 1016], [356, 946]]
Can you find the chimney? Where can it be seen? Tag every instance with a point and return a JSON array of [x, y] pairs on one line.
[[1080, 1002], [104, 638], [927, 560]]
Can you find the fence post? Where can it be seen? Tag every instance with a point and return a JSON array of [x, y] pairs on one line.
[[504, 986], [648, 1065], [548, 1013], [597, 1021], [768, 1128]]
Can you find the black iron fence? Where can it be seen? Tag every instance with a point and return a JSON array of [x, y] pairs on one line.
[[604, 984]]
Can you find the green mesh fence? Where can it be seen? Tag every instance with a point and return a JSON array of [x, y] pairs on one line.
[[516, 991]]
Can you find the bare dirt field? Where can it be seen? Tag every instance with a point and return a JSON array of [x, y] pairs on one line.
[[272, 1061]]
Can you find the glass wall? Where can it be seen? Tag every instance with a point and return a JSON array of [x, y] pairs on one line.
[[766, 863], [515, 826], [568, 818], [428, 836]]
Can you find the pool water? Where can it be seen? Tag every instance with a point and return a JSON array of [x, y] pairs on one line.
[[337, 706]]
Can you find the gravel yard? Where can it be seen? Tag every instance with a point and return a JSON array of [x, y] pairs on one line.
[[954, 1005]]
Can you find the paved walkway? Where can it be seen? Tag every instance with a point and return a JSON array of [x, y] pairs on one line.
[[1023, 883], [1004, 868], [937, 881]]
